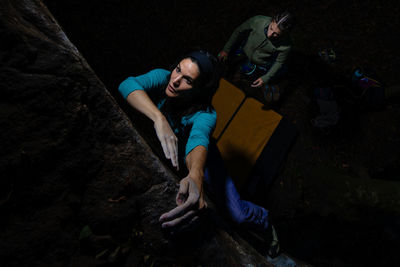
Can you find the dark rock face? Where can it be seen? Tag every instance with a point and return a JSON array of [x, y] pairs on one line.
[[70, 158]]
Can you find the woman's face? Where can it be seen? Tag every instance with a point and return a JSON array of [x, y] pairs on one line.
[[273, 30], [182, 78]]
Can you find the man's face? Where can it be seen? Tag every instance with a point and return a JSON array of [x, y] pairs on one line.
[[182, 78], [273, 30]]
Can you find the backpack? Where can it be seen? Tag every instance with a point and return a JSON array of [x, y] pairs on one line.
[[367, 87]]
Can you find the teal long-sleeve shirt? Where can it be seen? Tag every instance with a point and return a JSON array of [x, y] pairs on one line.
[[258, 48], [193, 130]]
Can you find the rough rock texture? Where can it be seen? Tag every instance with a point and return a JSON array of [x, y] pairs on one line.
[[79, 186]]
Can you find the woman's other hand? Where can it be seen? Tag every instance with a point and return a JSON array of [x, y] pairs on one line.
[[169, 141]]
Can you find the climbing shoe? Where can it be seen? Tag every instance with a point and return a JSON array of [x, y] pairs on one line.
[[276, 94], [274, 248], [271, 93], [267, 93]]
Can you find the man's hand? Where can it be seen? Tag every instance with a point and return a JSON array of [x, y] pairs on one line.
[[258, 83], [190, 201], [169, 141], [223, 56]]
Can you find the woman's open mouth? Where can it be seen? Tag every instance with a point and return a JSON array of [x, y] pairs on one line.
[[171, 89]]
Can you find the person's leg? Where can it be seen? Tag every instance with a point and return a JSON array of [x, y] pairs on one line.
[[223, 191]]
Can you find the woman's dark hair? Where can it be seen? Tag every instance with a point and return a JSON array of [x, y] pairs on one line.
[[209, 77], [204, 88], [284, 20]]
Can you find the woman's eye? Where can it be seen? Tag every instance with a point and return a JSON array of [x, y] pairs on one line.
[[189, 82]]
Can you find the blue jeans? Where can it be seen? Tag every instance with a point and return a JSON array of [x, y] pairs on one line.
[[222, 190]]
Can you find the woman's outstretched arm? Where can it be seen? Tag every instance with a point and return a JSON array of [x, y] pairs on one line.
[[141, 101], [190, 198]]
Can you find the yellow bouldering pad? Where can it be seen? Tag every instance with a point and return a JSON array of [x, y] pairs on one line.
[[243, 129]]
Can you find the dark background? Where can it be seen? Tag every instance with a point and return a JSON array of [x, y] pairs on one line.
[[123, 38], [120, 38]]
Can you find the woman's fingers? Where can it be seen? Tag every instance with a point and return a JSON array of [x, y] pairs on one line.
[[182, 195], [172, 149], [187, 199], [257, 83], [186, 203], [164, 146], [168, 140], [187, 216], [176, 153], [174, 213]]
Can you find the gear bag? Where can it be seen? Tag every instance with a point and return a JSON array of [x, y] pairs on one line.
[[368, 88]]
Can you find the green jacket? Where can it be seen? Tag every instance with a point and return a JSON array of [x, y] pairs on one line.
[[258, 48]]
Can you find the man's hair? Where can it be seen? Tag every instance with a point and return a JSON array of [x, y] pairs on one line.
[[284, 20]]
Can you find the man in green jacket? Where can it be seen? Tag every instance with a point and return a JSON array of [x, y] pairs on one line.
[[265, 43]]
